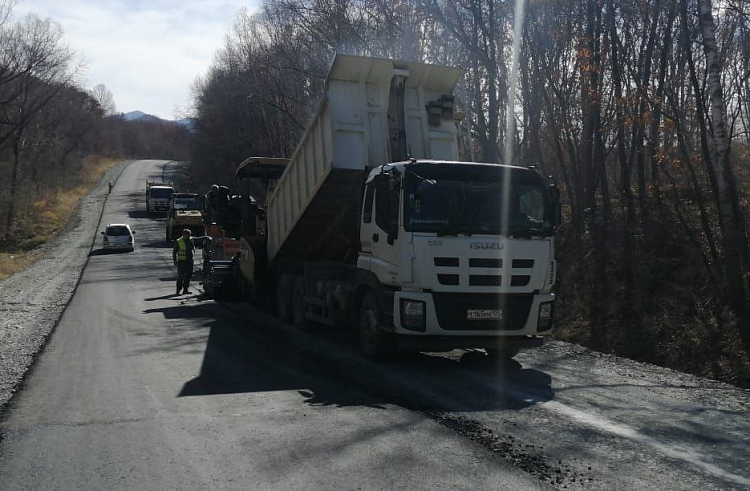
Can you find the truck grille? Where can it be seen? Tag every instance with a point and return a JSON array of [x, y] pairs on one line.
[[448, 279], [481, 262], [520, 280], [523, 263], [450, 262], [485, 280], [450, 275], [451, 311]]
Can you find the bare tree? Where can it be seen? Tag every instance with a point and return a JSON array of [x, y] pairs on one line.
[[103, 96], [730, 215]]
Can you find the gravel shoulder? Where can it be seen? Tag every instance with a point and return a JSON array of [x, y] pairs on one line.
[[32, 301]]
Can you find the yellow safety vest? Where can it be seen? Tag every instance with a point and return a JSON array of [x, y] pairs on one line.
[[181, 249]]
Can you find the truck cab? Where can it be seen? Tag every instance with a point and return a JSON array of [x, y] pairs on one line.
[[465, 248], [158, 196]]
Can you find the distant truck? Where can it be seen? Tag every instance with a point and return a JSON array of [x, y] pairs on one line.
[[158, 196], [376, 226], [185, 211]]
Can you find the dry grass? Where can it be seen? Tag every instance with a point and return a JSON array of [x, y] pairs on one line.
[[12, 263], [49, 216]]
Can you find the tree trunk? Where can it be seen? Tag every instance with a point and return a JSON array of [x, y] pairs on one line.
[[12, 205], [625, 180], [653, 133], [644, 84], [733, 233]]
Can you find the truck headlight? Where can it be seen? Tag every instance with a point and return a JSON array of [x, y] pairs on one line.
[[545, 316], [413, 315]]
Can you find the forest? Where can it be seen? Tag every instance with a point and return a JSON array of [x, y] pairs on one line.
[[639, 109]]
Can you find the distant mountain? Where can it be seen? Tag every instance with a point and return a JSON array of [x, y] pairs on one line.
[[133, 115], [141, 116]]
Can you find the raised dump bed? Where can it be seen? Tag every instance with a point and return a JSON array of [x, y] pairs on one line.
[[374, 111]]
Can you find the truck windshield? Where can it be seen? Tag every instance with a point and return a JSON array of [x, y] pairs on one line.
[[468, 199], [184, 204], [161, 193]]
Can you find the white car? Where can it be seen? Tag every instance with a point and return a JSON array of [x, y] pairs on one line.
[[118, 236]]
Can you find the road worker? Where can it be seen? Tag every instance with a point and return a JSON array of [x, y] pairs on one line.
[[182, 255]]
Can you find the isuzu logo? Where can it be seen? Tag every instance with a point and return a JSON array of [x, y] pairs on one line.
[[486, 245]]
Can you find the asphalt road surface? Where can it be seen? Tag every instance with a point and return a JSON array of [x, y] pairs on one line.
[[142, 389]]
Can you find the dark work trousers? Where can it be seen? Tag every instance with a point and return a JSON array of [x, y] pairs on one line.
[[184, 273]]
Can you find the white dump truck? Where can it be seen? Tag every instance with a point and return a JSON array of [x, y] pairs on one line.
[[158, 196], [375, 225]]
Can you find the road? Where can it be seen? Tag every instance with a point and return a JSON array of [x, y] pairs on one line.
[[142, 389]]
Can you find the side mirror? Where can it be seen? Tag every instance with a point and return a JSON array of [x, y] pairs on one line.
[[133, 232], [557, 211], [101, 233]]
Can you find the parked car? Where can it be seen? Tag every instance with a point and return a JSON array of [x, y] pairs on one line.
[[119, 236]]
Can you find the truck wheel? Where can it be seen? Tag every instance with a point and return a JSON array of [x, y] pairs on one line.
[[284, 298], [298, 303], [375, 343]]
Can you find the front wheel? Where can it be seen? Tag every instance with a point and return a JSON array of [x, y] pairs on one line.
[[375, 343]]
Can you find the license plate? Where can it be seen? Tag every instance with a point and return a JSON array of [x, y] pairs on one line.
[[484, 314]]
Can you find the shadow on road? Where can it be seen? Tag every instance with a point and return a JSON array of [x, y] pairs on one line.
[[163, 297], [104, 252], [250, 353], [250, 364], [158, 245], [143, 214]]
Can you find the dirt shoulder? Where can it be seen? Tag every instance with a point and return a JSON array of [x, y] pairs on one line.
[[32, 300]]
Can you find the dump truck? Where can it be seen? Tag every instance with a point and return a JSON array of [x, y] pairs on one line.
[[376, 226], [158, 196], [185, 211]]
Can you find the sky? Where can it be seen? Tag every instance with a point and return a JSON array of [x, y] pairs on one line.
[[147, 52]]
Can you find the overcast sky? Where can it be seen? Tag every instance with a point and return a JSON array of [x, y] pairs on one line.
[[147, 52]]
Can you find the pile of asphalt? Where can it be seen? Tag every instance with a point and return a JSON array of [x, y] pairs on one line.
[[32, 300]]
